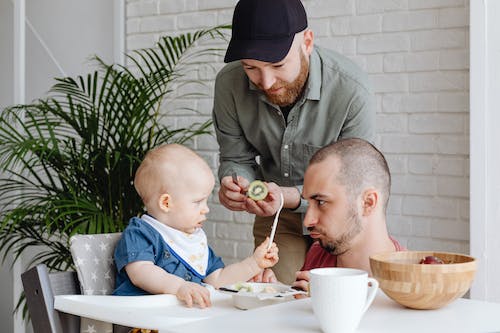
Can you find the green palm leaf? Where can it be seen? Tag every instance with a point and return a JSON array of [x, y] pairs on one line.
[[67, 161]]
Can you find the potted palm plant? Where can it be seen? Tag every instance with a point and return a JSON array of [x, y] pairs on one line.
[[67, 161]]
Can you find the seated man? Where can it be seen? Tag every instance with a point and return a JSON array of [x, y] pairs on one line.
[[347, 186]]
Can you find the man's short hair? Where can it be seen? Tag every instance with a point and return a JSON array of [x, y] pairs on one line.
[[361, 165]]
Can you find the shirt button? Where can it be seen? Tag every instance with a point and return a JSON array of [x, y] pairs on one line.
[[286, 147], [285, 174], [166, 254], [188, 277]]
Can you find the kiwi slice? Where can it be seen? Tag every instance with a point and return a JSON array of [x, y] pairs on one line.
[[257, 190]]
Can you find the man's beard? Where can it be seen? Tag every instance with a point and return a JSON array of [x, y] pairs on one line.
[[341, 244], [293, 89]]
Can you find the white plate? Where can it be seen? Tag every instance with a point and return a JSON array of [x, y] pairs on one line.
[[251, 295]]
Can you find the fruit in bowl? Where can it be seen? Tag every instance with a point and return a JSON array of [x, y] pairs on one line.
[[423, 279], [431, 260]]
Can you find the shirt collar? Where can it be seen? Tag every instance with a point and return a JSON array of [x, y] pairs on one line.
[[313, 89]]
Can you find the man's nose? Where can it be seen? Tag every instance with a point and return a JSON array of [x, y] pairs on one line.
[[267, 80], [310, 218]]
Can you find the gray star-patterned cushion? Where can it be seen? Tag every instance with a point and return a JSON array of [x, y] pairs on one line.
[[93, 258]]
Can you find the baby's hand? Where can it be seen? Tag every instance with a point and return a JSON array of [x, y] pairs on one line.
[[193, 293], [266, 258]]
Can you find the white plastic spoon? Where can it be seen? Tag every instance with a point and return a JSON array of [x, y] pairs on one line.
[[275, 223]]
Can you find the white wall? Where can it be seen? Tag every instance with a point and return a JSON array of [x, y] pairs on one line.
[[485, 140], [416, 54], [65, 34], [61, 35]]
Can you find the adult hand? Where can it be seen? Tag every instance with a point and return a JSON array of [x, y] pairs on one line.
[[301, 282], [232, 195], [265, 276], [267, 207], [192, 293]]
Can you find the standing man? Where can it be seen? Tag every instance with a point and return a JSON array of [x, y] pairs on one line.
[[279, 100]]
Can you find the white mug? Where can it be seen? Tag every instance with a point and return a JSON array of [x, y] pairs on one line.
[[340, 297]]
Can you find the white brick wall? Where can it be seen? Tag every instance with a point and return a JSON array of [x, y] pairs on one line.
[[416, 54]]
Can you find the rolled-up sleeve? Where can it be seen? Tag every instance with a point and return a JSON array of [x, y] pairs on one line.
[[236, 153]]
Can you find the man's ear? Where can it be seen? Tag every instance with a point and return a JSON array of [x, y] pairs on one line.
[[308, 41], [165, 202], [370, 199]]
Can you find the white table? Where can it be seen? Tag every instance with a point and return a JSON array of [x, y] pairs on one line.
[[154, 311], [384, 315]]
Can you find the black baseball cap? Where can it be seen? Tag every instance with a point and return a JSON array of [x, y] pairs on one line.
[[264, 29]]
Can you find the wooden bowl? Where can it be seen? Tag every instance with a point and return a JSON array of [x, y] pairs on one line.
[[423, 286]]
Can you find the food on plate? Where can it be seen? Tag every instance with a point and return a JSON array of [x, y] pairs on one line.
[[247, 287], [431, 260], [269, 290], [257, 190], [241, 286], [249, 295]]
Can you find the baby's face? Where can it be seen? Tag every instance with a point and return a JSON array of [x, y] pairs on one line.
[[189, 204]]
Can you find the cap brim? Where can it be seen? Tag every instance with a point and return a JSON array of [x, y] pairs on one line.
[[268, 50]]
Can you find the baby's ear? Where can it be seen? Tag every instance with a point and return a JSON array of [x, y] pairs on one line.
[[164, 202]]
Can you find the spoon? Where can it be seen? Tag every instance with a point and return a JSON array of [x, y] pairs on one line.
[[228, 289], [275, 223], [234, 176], [285, 293]]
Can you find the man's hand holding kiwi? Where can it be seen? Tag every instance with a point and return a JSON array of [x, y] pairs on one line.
[[268, 206], [234, 196]]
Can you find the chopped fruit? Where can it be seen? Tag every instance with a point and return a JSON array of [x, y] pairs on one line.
[[242, 286]]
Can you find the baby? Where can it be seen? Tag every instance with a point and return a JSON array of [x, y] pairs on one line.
[[165, 251]]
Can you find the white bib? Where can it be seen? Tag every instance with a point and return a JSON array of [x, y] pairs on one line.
[[191, 249]]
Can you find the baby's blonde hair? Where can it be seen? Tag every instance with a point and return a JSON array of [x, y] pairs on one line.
[[161, 167]]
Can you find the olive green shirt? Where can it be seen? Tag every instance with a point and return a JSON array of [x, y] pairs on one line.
[[254, 138]]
